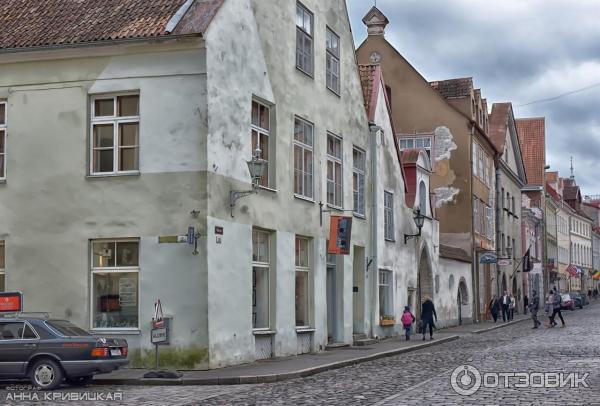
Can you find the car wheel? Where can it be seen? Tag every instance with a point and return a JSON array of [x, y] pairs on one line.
[[80, 380], [46, 374]]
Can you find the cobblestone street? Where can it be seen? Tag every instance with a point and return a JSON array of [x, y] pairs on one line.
[[417, 378]]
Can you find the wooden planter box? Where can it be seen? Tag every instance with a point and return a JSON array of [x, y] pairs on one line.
[[384, 323]]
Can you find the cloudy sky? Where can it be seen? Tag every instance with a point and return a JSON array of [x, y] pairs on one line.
[[516, 50]]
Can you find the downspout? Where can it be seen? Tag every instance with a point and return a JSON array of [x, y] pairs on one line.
[[498, 224], [474, 269], [374, 129]]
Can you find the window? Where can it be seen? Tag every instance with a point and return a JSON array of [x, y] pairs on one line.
[[332, 43], [115, 275], [260, 279], [476, 222], [2, 265], [302, 281], [416, 142], [386, 305], [423, 198], [67, 328], [334, 171], [388, 216], [489, 222], [12, 331], [2, 140], [358, 180], [303, 158], [115, 134], [475, 158], [304, 39], [514, 252], [261, 124]]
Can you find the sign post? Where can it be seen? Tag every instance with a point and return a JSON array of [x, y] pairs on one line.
[[160, 333]]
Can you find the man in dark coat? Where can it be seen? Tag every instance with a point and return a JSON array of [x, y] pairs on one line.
[[427, 315], [494, 308], [534, 307], [505, 303]]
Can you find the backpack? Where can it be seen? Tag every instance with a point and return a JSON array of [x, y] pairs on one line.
[[407, 318]]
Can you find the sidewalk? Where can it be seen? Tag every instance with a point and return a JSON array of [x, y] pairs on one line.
[[280, 369]]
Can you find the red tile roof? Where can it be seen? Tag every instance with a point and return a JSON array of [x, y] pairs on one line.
[[532, 140], [499, 124], [552, 177], [454, 88], [369, 75], [38, 23], [449, 252]]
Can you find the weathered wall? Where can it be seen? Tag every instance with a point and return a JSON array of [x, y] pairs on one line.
[[452, 273]]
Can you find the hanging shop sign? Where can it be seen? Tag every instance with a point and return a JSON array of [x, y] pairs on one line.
[[488, 258], [340, 233], [11, 302]]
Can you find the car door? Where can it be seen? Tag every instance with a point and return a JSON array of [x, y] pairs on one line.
[[15, 350]]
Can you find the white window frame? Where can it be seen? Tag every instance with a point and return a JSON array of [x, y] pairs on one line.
[[266, 133], [115, 269], [265, 267], [332, 63], [389, 231], [304, 35], [307, 178], [307, 270], [334, 182], [358, 178], [388, 288], [4, 130], [115, 121], [3, 266], [475, 159], [411, 143]]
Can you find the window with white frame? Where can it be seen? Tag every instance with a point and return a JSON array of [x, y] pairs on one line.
[[115, 281], [334, 171], [386, 301], [476, 222], [388, 216], [416, 142], [2, 267], [332, 45], [261, 124], [2, 139], [304, 39], [115, 129], [261, 292], [475, 158], [302, 282], [303, 158], [358, 180]]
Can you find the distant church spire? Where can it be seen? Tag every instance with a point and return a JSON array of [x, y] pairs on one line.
[[572, 171]]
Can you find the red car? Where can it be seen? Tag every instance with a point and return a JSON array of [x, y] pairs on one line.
[[567, 302]]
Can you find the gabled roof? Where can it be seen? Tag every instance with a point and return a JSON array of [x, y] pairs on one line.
[[499, 124], [454, 88], [449, 252], [532, 139], [41, 23]]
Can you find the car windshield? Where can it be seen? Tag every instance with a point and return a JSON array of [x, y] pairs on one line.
[[566, 297], [67, 329]]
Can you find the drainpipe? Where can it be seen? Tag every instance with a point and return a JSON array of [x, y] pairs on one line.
[[474, 267], [498, 224], [374, 219]]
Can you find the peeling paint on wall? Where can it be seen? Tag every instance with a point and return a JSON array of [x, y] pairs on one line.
[[444, 195], [443, 144]]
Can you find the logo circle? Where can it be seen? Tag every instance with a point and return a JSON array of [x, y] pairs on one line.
[[465, 380]]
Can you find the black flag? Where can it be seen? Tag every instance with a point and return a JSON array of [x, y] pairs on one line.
[[527, 262]]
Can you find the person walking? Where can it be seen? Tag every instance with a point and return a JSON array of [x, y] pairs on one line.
[[511, 307], [427, 315], [549, 308], [595, 293], [494, 308], [525, 303], [407, 320], [556, 303], [533, 308], [505, 303]]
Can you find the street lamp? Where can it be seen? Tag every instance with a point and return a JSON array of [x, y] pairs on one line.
[[508, 252], [256, 167], [419, 220]]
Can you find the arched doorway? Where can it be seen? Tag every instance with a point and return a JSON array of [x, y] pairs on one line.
[[504, 285], [424, 281], [462, 299]]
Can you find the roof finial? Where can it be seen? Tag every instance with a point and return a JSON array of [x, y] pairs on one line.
[[572, 171], [375, 21]]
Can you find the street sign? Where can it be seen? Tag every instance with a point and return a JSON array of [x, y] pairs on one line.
[[11, 302], [504, 262], [172, 239], [191, 235], [159, 335], [340, 234], [158, 319], [488, 258]]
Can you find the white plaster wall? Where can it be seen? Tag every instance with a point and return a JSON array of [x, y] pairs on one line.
[[446, 303]]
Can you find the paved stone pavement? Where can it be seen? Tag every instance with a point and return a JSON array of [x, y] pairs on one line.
[[417, 378]]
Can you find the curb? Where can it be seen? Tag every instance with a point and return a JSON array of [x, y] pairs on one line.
[[270, 378], [502, 325]]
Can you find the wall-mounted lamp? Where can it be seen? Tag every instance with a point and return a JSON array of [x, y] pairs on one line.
[[419, 220], [256, 167], [508, 252]]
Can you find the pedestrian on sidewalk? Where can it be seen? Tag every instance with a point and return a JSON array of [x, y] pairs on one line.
[[505, 303], [511, 307], [407, 320], [427, 315], [494, 308], [549, 308], [557, 301], [595, 293], [533, 308], [589, 295], [525, 303]]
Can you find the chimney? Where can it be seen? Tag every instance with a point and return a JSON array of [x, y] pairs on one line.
[[375, 21]]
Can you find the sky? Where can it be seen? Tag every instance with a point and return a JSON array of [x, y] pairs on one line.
[[520, 51]]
